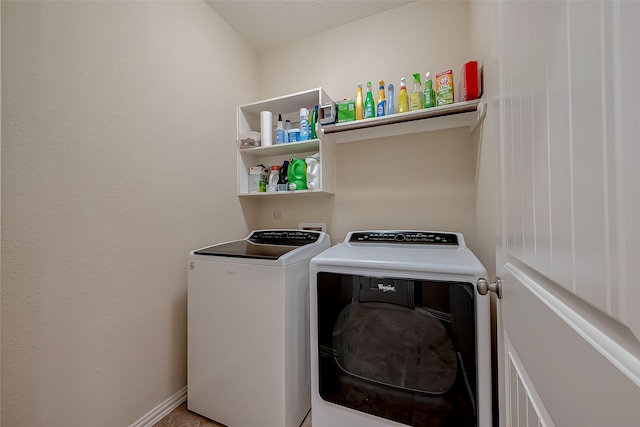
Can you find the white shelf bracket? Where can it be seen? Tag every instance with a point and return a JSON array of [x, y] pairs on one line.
[[482, 111]]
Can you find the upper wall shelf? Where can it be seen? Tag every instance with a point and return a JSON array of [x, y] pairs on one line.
[[459, 114]]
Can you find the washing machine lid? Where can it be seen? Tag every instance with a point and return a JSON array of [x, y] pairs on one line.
[[403, 252], [263, 244]]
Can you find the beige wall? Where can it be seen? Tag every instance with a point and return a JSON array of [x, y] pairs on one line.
[[482, 24], [423, 181], [117, 118]]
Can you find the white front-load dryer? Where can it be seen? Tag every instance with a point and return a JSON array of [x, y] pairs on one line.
[[400, 335], [248, 328]]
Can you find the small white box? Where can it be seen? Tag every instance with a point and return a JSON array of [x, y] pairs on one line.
[[257, 179]]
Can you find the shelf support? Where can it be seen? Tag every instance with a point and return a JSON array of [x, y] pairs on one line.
[[482, 112]]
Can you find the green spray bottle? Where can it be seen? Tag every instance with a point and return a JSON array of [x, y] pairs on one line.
[[415, 99], [429, 98], [369, 105]]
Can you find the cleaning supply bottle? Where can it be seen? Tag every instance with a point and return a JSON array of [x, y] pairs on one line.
[[314, 123], [280, 131], [287, 128], [359, 103], [297, 174], [382, 102], [313, 171], [274, 176], [391, 105], [403, 98], [283, 181], [304, 124], [429, 97], [369, 106], [416, 94]]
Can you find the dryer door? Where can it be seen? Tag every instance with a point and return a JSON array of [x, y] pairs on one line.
[[403, 350]]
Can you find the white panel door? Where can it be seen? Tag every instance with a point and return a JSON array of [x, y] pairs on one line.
[[568, 326]]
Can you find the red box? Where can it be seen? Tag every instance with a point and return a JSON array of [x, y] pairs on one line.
[[471, 81]]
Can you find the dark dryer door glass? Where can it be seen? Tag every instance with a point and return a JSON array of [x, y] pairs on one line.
[[403, 350]]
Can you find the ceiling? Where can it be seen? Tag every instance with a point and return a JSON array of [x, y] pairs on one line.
[[268, 23]]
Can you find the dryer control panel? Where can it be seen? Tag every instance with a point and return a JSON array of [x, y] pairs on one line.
[[406, 237]]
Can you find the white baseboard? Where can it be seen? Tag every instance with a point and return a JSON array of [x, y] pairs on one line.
[[162, 410]]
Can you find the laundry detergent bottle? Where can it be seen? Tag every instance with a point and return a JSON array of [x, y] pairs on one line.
[[283, 180], [297, 174]]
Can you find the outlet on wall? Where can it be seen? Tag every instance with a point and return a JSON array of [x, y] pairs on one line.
[[313, 226]]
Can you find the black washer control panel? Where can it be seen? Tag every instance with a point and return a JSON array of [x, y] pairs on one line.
[[406, 237], [284, 237]]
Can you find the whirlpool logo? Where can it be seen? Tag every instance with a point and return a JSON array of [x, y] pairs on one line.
[[386, 288]]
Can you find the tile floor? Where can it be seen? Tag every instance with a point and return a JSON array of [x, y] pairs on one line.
[[182, 417]]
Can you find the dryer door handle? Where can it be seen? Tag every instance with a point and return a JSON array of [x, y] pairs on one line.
[[484, 286]]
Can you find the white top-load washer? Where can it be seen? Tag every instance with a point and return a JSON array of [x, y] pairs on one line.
[[248, 328], [400, 335]]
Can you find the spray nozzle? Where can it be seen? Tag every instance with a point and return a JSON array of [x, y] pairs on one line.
[[416, 78], [403, 83]]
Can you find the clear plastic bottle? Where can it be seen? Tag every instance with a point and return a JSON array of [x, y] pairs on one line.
[[287, 128], [391, 103], [403, 98], [369, 105], [381, 107], [359, 103], [416, 94], [280, 131]]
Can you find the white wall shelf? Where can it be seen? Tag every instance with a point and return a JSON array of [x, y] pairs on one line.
[[283, 149], [289, 107], [460, 114], [276, 154]]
